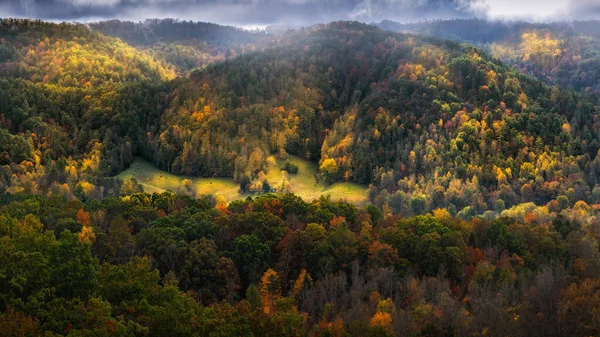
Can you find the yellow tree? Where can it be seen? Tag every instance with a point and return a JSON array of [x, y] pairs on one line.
[[303, 279], [329, 169], [383, 316], [222, 204], [87, 234], [270, 290]]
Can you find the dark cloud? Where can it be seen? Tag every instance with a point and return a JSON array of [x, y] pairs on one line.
[[239, 12], [297, 12]]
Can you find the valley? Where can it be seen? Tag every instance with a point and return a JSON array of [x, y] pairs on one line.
[[343, 179], [302, 184]]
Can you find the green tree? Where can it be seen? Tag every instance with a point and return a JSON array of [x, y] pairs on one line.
[[251, 256]]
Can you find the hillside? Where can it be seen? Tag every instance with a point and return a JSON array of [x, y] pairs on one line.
[[186, 45], [427, 123], [73, 104], [430, 123], [153, 31], [561, 53]]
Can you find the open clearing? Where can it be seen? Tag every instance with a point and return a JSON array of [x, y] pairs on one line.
[[303, 183]]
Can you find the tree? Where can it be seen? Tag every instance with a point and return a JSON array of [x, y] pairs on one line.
[[251, 256], [83, 218], [74, 269], [266, 226], [206, 273], [329, 170], [290, 167], [244, 182], [87, 233], [16, 324], [580, 308], [265, 186], [270, 290], [253, 297], [418, 202], [120, 242]]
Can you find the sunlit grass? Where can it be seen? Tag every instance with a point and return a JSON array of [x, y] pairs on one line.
[[153, 179], [303, 183]]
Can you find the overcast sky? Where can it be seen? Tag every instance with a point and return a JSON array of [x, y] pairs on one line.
[[252, 13]]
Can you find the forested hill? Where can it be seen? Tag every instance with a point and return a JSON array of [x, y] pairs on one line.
[[429, 123], [66, 54], [489, 31], [72, 102], [479, 31], [185, 44], [561, 53]]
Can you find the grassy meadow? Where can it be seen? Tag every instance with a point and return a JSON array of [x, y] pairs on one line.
[[303, 183]]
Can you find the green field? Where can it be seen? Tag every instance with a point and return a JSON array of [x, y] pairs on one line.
[[303, 183]]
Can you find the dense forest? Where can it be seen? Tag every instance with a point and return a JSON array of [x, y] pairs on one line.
[[170, 265], [427, 123], [477, 141], [73, 105]]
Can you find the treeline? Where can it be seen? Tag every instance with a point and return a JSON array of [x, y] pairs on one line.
[[489, 31], [164, 264], [153, 31]]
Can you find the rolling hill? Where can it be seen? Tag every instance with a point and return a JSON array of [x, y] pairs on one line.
[[70, 96], [430, 123], [426, 122]]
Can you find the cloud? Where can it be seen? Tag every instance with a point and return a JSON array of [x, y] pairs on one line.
[[538, 10], [411, 10], [91, 3], [297, 12], [240, 12]]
